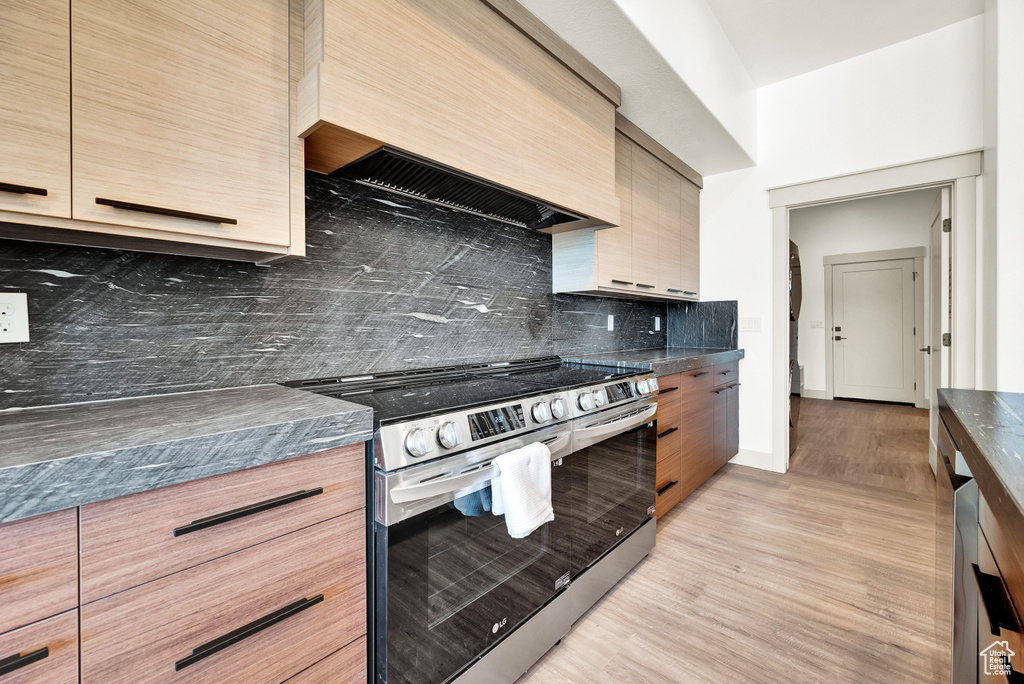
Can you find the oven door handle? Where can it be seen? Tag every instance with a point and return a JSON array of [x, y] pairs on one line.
[[586, 436], [453, 483]]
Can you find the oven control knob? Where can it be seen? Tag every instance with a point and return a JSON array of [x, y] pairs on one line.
[[653, 382], [601, 398], [586, 401], [541, 412], [643, 387], [559, 409], [416, 443], [448, 435]]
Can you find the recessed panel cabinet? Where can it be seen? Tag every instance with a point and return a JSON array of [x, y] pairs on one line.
[[654, 252], [151, 125]]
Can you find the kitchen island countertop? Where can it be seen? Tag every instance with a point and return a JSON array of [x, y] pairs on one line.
[[660, 361], [57, 457]]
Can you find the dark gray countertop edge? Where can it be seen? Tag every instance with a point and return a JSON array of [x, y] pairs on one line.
[[50, 485], [628, 360]]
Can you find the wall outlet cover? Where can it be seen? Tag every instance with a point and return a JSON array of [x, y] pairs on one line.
[[611, 322], [13, 317], [657, 323]]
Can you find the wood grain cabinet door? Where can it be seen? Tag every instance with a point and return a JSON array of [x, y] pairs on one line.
[[614, 249], [646, 217], [181, 116], [44, 652], [669, 237], [257, 616], [689, 236], [35, 107], [38, 568]]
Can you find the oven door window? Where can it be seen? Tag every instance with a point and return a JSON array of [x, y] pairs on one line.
[[614, 488], [456, 583]]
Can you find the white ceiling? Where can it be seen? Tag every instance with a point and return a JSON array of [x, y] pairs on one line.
[[778, 39]]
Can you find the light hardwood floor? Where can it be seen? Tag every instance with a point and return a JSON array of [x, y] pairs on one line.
[[761, 577]]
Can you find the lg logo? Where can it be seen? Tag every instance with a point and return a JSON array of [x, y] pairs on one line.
[[498, 625]]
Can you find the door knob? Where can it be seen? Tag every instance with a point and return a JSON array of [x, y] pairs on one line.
[[927, 350], [839, 338]]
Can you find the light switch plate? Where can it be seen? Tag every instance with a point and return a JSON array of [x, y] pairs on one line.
[[817, 324], [13, 317], [750, 324]]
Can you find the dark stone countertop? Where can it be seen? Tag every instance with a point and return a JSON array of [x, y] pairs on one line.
[[57, 457], [994, 422], [663, 361]]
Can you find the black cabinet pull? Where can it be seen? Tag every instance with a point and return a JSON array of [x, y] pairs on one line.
[[20, 660], [690, 293], [252, 509], [648, 286], [667, 487], [672, 289], [667, 432], [667, 390], [622, 282], [997, 602], [232, 638], [697, 375], [22, 190], [728, 372], [146, 209], [726, 389]]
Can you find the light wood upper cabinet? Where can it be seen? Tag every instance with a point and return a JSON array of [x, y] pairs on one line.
[[457, 82], [166, 126], [182, 106], [654, 251], [35, 107]]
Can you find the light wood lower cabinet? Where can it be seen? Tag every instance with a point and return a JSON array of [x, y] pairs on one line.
[[38, 568], [44, 652], [258, 615], [701, 419], [654, 252]]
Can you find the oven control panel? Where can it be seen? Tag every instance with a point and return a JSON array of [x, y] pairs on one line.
[[497, 421]]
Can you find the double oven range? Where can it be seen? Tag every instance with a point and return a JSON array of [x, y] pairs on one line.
[[453, 597]]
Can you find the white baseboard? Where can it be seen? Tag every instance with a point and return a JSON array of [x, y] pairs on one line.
[[753, 459], [814, 394]]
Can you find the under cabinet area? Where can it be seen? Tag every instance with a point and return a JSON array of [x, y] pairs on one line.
[[257, 575], [172, 122], [698, 429], [479, 87], [654, 252]]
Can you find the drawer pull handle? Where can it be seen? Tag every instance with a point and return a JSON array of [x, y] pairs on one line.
[[147, 209], [997, 602], [689, 292], [667, 487], [621, 282], [726, 389], [701, 374], [667, 390], [728, 372], [667, 432], [19, 660], [22, 190], [672, 289], [252, 509], [648, 286], [232, 638]]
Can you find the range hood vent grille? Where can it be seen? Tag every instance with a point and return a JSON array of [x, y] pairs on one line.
[[405, 174]]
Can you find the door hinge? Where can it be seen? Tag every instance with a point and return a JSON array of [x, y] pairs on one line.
[[947, 340], [915, 385], [915, 275], [947, 225]]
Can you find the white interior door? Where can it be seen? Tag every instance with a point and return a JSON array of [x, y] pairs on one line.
[[873, 352]]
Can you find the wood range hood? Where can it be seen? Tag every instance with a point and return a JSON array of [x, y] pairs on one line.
[[481, 109]]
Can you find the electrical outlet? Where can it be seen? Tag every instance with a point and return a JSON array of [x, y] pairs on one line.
[[750, 325], [611, 322], [817, 324], [657, 323], [13, 317]]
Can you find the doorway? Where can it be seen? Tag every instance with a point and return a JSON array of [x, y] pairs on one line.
[[874, 319]]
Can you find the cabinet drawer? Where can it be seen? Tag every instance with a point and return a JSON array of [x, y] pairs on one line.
[[668, 440], [43, 653], [987, 636], [308, 589], [695, 381], [347, 666], [669, 488], [38, 568], [726, 372], [138, 538]]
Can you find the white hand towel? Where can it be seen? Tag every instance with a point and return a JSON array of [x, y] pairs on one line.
[[522, 489]]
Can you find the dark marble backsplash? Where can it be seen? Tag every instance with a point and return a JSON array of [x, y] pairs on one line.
[[387, 284], [703, 324]]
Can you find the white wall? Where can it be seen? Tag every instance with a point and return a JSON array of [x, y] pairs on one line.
[[887, 222], [1002, 253], [911, 101]]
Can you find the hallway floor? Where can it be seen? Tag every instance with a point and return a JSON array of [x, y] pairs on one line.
[[825, 574]]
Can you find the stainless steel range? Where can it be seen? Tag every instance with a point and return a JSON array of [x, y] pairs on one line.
[[454, 597]]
